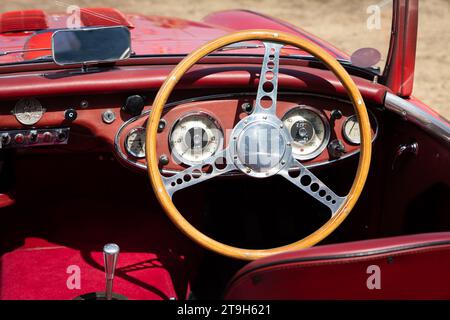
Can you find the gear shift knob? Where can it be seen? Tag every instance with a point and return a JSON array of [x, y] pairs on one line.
[[110, 256]]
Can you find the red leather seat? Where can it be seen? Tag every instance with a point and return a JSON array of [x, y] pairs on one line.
[[406, 267]]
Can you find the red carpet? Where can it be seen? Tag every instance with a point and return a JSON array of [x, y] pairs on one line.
[[39, 271]]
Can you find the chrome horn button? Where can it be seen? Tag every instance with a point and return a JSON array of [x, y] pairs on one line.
[[261, 145]]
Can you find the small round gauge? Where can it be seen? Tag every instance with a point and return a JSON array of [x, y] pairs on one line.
[[28, 111], [135, 142], [195, 137], [309, 130], [350, 130]]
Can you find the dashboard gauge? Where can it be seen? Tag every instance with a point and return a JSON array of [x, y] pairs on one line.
[[350, 130], [195, 137], [309, 130], [135, 142], [28, 111]]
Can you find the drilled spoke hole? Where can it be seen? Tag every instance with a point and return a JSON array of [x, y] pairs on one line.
[[269, 75], [220, 163], [268, 87], [305, 180], [314, 187], [207, 168], [266, 102], [294, 173], [196, 173]]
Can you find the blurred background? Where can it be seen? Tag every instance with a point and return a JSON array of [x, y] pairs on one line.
[[341, 22]]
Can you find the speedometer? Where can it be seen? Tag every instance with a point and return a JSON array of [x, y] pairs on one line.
[[309, 130], [195, 137]]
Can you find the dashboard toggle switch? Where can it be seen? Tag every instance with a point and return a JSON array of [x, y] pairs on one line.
[[33, 137], [5, 139], [47, 136], [336, 149]]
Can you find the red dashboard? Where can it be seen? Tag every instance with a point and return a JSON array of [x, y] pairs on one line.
[[221, 92], [90, 130]]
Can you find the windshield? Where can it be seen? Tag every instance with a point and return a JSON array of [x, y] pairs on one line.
[[341, 27]]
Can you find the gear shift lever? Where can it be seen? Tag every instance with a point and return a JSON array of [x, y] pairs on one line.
[[110, 255]]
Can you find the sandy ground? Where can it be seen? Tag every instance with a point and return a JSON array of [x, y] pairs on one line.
[[342, 22]]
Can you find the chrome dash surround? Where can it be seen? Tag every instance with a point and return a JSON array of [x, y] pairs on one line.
[[142, 166], [435, 126]]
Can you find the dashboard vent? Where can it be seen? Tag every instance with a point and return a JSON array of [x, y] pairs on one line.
[[103, 17], [25, 20]]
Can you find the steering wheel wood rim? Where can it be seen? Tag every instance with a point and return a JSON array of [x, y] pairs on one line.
[[152, 158]]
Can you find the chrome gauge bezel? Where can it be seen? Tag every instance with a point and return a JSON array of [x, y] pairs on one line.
[[345, 135], [179, 158], [129, 151], [327, 133]]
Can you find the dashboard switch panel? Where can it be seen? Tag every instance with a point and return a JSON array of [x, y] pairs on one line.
[[34, 137]]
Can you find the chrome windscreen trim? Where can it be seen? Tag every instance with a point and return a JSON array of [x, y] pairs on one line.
[[435, 126]]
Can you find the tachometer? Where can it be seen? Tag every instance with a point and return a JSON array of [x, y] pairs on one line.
[[195, 137], [135, 142], [309, 129]]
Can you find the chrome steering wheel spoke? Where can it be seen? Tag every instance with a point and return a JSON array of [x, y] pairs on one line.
[[266, 98], [214, 166], [300, 176]]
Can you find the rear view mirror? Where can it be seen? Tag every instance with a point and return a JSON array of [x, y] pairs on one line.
[[91, 45]]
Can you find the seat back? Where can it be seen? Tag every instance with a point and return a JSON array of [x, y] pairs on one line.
[[406, 267]]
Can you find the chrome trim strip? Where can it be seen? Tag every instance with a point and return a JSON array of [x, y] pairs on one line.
[[436, 127], [139, 165]]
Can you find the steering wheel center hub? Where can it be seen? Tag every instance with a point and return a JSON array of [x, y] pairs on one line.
[[261, 146]]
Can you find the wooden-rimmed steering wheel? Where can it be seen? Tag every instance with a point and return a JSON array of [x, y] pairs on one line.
[[236, 156]]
